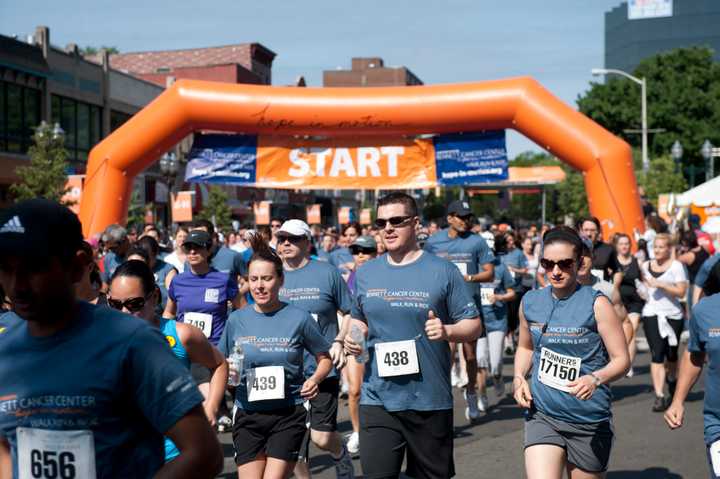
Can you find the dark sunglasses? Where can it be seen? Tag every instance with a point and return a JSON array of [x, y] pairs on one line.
[[357, 250], [564, 264], [395, 221], [187, 247], [292, 239], [464, 218], [133, 304]]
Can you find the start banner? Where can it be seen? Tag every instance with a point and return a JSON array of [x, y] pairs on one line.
[[348, 163]]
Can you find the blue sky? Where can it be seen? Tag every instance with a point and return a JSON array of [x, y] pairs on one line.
[[556, 41]]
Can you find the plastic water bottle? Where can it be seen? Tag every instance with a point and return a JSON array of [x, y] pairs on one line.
[[357, 335], [235, 363]]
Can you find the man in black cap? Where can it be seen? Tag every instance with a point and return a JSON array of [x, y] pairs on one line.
[[470, 253], [90, 391]]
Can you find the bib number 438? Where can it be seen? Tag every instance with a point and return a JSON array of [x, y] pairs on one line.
[[397, 358]]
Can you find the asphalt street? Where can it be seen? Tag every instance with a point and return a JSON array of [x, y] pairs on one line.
[[492, 447]]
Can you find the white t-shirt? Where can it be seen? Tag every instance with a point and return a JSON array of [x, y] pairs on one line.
[[173, 259], [659, 302]]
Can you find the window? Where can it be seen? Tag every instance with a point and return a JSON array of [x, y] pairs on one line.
[[117, 119], [19, 115], [81, 122]]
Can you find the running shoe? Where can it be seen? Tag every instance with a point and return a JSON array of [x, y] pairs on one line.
[[630, 373], [660, 404], [224, 424], [471, 411], [455, 375], [499, 386], [482, 403], [353, 443], [509, 346], [344, 467]]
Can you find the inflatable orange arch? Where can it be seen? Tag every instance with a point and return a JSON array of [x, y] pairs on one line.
[[519, 103]]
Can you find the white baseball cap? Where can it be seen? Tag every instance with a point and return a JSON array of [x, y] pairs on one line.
[[295, 228]]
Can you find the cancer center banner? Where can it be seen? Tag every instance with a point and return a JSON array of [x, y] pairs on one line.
[[348, 163]]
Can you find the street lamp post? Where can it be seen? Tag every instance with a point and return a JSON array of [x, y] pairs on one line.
[[676, 151], [643, 94], [169, 169], [707, 153]]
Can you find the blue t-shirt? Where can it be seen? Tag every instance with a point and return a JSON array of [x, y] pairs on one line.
[[517, 259], [571, 331], [274, 339], [469, 252], [168, 327], [109, 373], [705, 338], [495, 315], [341, 256], [228, 261], [394, 301], [110, 263], [202, 300], [318, 289], [704, 271], [160, 271]]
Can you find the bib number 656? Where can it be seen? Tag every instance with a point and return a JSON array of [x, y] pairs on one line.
[[52, 465]]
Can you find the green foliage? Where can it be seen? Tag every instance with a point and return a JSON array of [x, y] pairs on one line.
[[136, 211], [90, 51], [46, 175], [217, 209], [683, 97], [661, 178]]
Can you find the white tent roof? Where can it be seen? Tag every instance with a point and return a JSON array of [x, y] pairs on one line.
[[705, 194]]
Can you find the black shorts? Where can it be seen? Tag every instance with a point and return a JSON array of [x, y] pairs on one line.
[[660, 349], [426, 435], [324, 408], [278, 433], [200, 373], [633, 306]]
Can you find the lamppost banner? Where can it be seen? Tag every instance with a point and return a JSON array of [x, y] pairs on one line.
[[348, 163]]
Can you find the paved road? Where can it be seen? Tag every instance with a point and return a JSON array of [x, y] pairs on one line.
[[644, 448]]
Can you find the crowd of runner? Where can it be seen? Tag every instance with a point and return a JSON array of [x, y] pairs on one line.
[[131, 350]]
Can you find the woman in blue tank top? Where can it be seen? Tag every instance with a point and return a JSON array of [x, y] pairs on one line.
[[572, 343], [133, 290]]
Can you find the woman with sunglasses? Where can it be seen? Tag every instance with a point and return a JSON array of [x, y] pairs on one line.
[[363, 249], [269, 418], [199, 296], [572, 342], [133, 291]]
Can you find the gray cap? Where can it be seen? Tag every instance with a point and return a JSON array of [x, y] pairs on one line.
[[459, 208], [365, 242], [198, 237]]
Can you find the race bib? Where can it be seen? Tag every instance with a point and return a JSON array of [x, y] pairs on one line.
[[462, 267], [202, 321], [212, 295], [715, 457], [598, 273], [487, 296], [397, 358], [50, 454], [267, 382], [557, 370]]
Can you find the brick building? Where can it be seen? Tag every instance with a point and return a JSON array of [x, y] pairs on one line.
[[370, 71]]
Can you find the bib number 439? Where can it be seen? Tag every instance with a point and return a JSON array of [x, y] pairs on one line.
[[51, 454], [267, 382]]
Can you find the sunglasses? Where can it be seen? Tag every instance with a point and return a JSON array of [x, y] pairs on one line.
[[133, 304], [395, 221], [358, 250], [564, 264], [291, 239], [464, 218], [275, 225]]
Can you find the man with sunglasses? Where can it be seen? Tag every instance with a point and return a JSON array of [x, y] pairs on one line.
[[89, 391], [318, 288], [474, 259], [412, 304]]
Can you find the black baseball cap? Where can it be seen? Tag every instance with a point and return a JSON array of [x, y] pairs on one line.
[[39, 228], [459, 208], [199, 238]]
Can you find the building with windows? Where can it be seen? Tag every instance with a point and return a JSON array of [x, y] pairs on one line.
[[638, 29], [39, 81], [370, 72]]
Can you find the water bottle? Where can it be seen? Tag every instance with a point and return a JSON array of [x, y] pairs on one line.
[[357, 335], [235, 363]]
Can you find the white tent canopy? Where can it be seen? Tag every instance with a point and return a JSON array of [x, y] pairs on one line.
[[702, 195]]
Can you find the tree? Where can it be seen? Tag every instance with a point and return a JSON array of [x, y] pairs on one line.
[[136, 211], [662, 177], [46, 175], [683, 97], [90, 51], [217, 209]]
